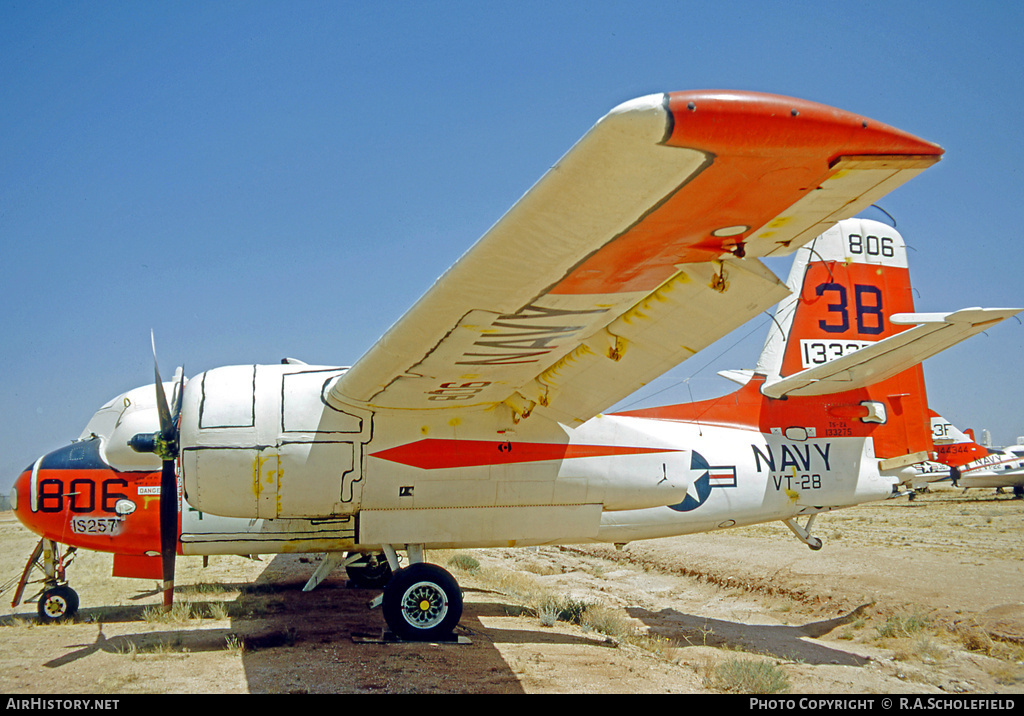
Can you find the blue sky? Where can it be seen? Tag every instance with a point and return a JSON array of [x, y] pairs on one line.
[[256, 180]]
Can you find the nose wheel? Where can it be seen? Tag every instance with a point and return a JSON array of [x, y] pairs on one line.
[[57, 603]]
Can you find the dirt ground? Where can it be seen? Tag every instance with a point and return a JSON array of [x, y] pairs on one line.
[[907, 596]]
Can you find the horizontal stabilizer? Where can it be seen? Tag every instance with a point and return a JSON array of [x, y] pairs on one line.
[[741, 376], [933, 332]]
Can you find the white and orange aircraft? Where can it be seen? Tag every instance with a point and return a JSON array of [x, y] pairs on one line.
[[962, 461], [954, 448], [476, 420], [1001, 467]]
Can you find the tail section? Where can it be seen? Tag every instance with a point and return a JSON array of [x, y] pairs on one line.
[[842, 358], [954, 447], [848, 339]]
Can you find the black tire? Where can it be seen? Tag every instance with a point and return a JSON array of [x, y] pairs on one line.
[[57, 603], [373, 573], [422, 602]]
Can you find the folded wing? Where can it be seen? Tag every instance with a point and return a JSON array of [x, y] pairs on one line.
[[635, 251]]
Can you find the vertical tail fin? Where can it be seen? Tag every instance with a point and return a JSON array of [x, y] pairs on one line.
[[847, 285]]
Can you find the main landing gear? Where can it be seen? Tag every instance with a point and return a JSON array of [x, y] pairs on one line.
[[56, 600], [421, 602]]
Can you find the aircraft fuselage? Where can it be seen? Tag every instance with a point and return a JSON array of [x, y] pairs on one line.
[[364, 479]]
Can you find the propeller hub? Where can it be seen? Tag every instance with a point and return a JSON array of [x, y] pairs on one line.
[[156, 443], [143, 442]]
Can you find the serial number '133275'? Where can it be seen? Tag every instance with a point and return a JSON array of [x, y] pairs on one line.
[[819, 352]]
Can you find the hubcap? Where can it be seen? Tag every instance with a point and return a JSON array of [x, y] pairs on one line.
[[55, 607], [424, 605]]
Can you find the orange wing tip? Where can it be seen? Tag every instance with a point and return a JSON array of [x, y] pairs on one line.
[[720, 121]]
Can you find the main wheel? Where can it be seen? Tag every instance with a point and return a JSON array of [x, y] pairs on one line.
[[57, 603], [372, 573], [422, 602]]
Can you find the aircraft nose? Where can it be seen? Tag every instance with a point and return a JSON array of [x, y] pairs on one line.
[[61, 485], [21, 492]]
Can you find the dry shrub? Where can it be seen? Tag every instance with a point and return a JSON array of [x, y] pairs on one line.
[[747, 676]]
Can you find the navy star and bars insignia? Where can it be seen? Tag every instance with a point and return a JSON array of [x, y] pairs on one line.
[[704, 477]]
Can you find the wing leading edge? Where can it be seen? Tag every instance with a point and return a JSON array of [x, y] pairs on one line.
[[635, 251]]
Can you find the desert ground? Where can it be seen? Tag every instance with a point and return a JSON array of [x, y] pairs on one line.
[[921, 596]]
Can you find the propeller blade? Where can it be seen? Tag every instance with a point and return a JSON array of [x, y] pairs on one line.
[[166, 422], [179, 391], [166, 446], [168, 529]]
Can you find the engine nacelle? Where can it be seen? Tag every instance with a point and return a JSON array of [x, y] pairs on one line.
[[260, 441]]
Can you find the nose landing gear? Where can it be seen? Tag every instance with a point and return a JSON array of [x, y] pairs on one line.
[[56, 600]]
